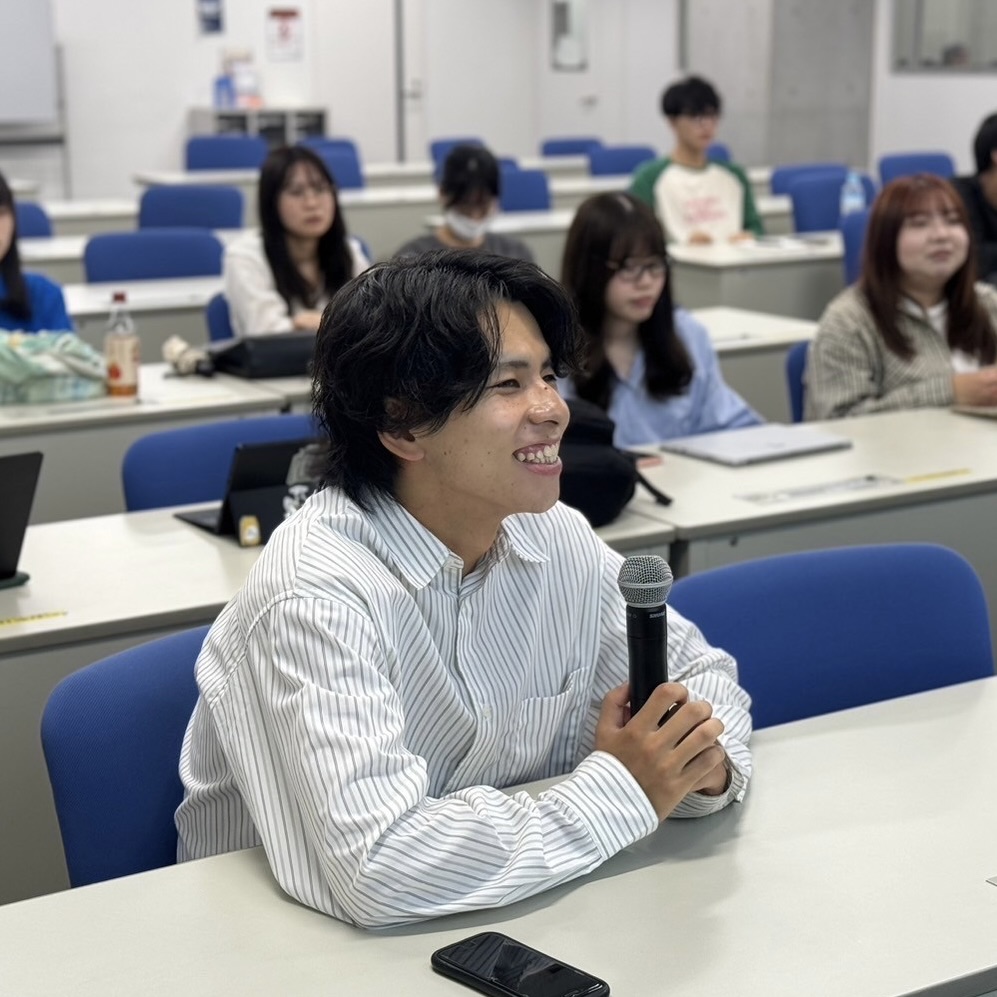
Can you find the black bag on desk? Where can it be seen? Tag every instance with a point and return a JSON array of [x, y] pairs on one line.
[[279, 354], [597, 478]]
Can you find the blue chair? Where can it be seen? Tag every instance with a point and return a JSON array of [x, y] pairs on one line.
[[151, 254], [796, 364], [524, 190], [181, 206], [317, 142], [817, 200], [718, 153], [827, 630], [905, 164], [191, 464], [783, 176], [32, 221], [853, 227], [576, 146], [218, 318], [111, 734], [343, 165], [440, 148], [225, 152], [616, 160]]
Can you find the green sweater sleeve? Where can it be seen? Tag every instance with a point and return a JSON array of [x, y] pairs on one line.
[[644, 179], [751, 222]]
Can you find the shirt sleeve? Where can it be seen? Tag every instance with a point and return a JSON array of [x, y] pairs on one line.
[[707, 672], [642, 183], [752, 220], [48, 306], [256, 306], [314, 738]]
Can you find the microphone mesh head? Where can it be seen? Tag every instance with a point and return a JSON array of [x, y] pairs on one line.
[[645, 580]]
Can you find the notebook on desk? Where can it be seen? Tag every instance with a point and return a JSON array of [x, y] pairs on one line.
[[18, 481], [266, 483], [756, 444]]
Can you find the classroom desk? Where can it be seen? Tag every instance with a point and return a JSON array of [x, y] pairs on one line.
[[100, 585], [789, 276], [857, 865], [22, 188], [88, 217], [752, 348], [922, 475], [84, 442], [404, 174], [160, 308]]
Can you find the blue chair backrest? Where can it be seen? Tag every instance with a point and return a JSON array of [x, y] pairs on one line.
[[619, 159], [853, 228], [575, 146], [191, 464], [111, 734], [440, 148], [31, 220], [316, 142], [343, 165], [904, 164], [191, 207], [796, 364], [719, 153], [225, 152], [151, 254], [524, 190], [783, 176], [218, 318], [817, 200], [826, 630]]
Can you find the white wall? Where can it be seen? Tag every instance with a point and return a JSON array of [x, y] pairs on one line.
[[912, 111]]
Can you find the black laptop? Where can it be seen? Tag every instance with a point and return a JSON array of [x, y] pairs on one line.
[[18, 481], [266, 483]]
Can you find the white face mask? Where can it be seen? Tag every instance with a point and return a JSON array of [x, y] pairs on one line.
[[466, 229]]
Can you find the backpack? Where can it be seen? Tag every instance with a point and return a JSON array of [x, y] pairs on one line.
[[597, 478]]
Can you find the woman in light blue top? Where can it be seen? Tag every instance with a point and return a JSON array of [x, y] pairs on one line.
[[650, 365], [28, 301]]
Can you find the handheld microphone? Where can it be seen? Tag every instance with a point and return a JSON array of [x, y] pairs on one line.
[[645, 581]]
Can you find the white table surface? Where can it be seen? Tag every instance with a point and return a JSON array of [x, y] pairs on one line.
[[88, 216], [857, 866], [84, 442], [23, 188]]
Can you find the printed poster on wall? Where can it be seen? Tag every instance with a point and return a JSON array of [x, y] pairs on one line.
[[210, 17], [285, 34]]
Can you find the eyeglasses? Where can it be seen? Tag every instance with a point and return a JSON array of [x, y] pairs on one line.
[[703, 118], [300, 191], [631, 271]]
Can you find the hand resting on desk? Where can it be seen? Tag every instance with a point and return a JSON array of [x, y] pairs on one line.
[[978, 387], [669, 761]]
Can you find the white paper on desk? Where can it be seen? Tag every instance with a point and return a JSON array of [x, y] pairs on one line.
[[755, 444]]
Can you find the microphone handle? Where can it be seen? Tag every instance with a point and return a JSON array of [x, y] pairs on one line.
[[647, 645]]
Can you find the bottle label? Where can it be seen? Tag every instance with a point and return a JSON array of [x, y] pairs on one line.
[[122, 355]]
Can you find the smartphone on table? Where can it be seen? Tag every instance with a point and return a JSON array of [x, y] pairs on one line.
[[497, 965]]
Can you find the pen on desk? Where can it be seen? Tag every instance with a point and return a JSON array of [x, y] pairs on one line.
[[935, 475]]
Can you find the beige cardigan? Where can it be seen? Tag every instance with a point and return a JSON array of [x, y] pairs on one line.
[[851, 372]]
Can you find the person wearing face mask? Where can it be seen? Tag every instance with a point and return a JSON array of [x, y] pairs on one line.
[[917, 329], [469, 192]]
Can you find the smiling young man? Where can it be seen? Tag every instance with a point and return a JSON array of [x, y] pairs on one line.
[[433, 624], [697, 200]]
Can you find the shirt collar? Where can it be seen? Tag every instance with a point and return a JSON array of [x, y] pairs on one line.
[[419, 555]]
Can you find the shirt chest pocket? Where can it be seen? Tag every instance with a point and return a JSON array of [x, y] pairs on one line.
[[543, 734]]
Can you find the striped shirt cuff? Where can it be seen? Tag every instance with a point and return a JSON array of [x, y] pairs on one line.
[[608, 801]]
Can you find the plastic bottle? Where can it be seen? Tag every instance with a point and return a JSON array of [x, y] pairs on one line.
[[121, 350], [852, 194]]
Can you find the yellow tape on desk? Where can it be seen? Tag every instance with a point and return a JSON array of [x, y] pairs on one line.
[[13, 621]]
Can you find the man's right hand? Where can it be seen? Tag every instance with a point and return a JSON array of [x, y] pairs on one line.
[[700, 239], [669, 761], [976, 388]]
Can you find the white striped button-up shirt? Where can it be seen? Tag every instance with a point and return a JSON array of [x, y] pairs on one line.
[[360, 700]]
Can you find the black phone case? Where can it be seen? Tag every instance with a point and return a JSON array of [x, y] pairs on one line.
[[441, 962]]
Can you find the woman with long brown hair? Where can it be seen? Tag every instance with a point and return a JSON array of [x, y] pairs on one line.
[[916, 329]]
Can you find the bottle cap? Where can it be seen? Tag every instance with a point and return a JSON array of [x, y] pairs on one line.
[[119, 297]]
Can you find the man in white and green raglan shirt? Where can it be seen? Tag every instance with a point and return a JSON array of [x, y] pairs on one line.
[[696, 199]]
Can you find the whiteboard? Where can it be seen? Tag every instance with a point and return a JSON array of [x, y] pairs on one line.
[[27, 67]]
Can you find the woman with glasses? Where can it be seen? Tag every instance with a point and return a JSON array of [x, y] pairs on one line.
[[649, 365], [29, 302], [281, 278]]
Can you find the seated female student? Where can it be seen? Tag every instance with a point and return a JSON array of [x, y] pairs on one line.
[[280, 279], [915, 330], [650, 365], [28, 301], [469, 192]]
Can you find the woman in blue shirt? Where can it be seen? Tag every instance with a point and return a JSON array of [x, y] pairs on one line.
[[650, 366], [28, 301]]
